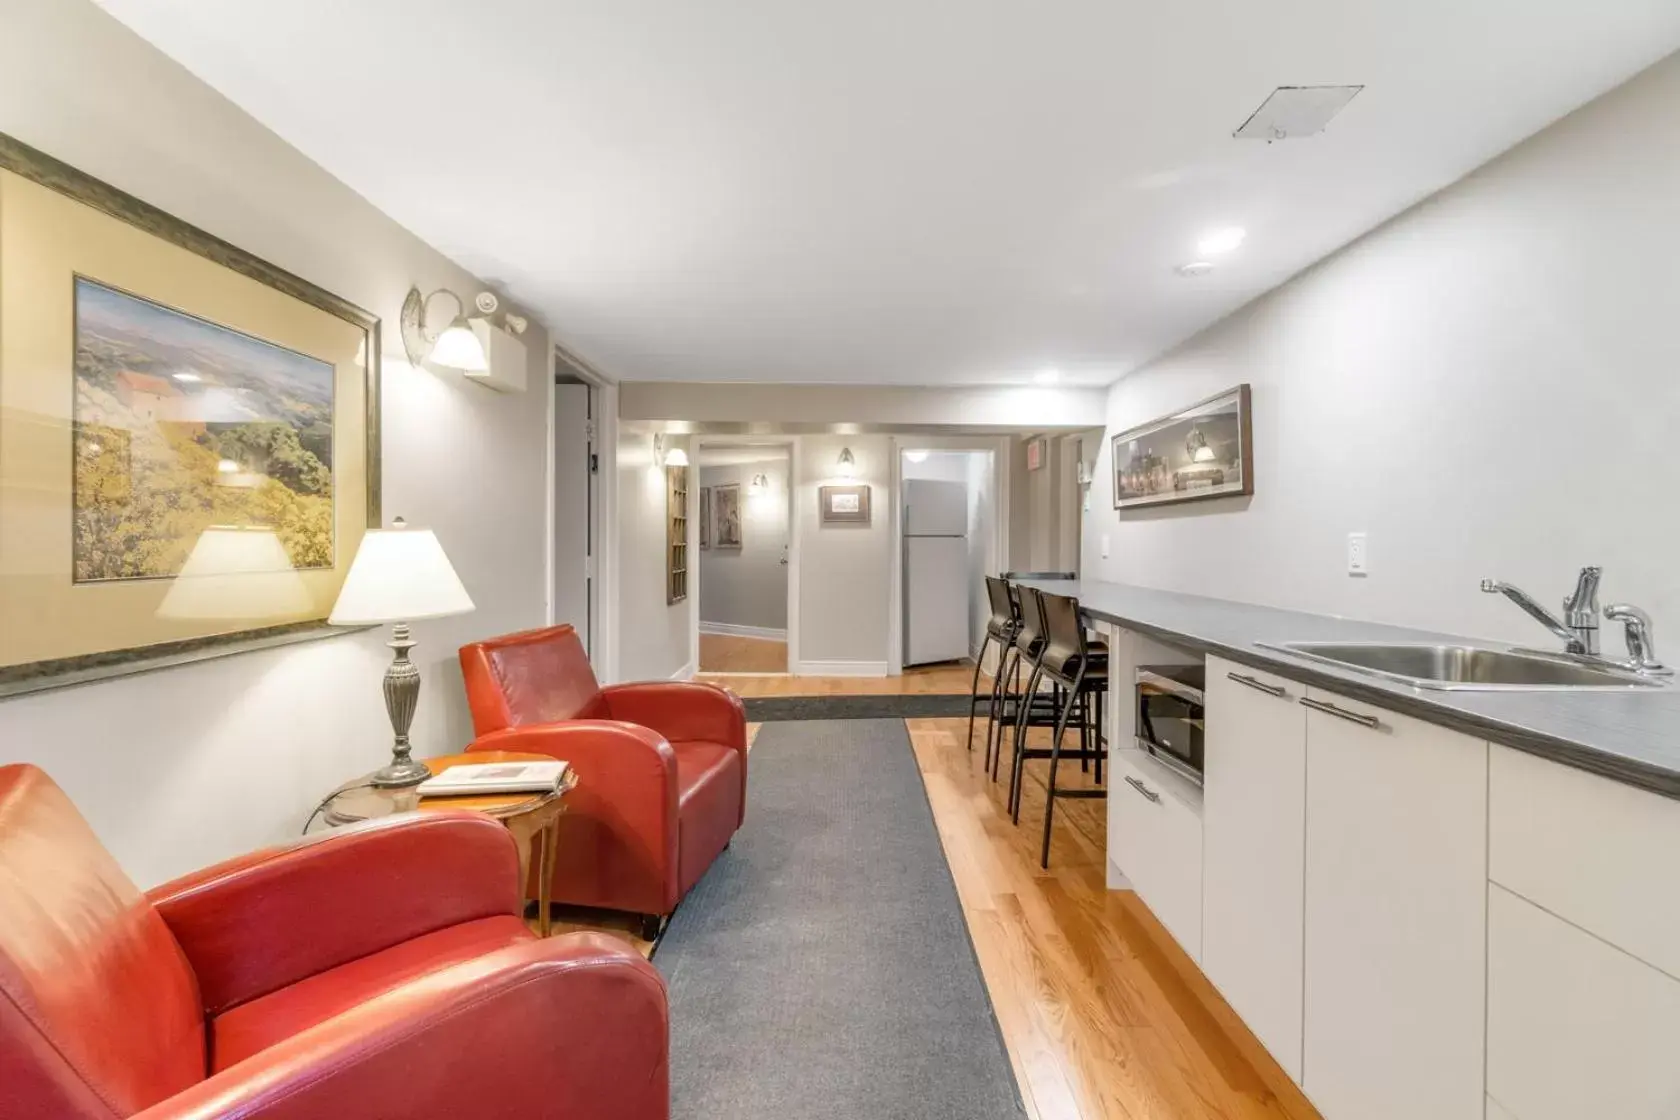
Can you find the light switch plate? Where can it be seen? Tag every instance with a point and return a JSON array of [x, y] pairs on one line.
[[1358, 555]]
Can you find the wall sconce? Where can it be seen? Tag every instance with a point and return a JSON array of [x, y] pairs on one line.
[[676, 457], [847, 463], [454, 346], [759, 485]]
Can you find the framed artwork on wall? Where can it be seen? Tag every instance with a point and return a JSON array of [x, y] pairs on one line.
[[188, 436], [726, 508], [705, 517], [843, 505], [1203, 451]]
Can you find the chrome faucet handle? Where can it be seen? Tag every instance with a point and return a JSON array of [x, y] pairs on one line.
[[1585, 598], [1640, 636]]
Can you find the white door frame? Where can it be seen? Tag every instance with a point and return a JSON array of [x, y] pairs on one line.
[[789, 446], [997, 559], [603, 583]]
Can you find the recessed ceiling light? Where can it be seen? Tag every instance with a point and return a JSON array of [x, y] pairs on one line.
[[1195, 268], [1047, 376], [1221, 241], [188, 377]]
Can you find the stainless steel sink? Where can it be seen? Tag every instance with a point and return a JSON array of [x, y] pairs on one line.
[[1464, 668]]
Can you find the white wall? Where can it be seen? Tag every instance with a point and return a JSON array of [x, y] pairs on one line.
[[1489, 385], [982, 524], [654, 636], [178, 768], [748, 586], [845, 576]]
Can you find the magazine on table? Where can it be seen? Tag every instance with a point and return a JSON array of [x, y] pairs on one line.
[[495, 777]]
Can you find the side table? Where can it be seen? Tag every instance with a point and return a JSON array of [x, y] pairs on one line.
[[530, 817]]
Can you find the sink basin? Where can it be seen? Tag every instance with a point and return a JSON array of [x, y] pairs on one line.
[[1467, 667]]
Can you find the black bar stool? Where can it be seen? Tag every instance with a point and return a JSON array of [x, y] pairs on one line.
[[1000, 628], [1078, 672], [1012, 705]]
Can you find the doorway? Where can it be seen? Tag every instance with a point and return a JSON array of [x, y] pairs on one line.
[[576, 513], [743, 527]]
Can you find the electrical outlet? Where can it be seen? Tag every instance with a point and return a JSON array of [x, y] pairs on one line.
[[1103, 540], [1359, 555]]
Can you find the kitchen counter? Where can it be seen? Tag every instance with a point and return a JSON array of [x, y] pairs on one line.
[[1632, 736]]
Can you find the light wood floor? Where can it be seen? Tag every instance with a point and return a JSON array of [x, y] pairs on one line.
[[726, 653], [1103, 1016]]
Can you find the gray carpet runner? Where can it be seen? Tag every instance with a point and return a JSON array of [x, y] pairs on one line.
[[822, 969], [765, 709]]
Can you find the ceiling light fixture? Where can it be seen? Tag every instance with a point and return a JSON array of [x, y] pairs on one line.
[[189, 377], [455, 346], [916, 456], [1048, 376], [1221, 241]]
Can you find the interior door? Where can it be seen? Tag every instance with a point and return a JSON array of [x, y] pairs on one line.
[[572, 513]]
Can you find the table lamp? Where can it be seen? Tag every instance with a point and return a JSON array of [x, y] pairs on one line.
[[400, 575]]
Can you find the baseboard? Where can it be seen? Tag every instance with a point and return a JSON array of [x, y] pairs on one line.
[[685, 673], [840, 669], [768, 633]]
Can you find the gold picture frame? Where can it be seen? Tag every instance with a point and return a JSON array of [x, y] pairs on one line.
[[189, 437]]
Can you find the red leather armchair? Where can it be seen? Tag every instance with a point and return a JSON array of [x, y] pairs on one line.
[[662, 766], [377, 971]]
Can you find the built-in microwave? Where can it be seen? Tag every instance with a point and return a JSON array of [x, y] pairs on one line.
[[1170, 715]]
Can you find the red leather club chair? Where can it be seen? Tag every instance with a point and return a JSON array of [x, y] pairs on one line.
[[381, 970], [662, 766]]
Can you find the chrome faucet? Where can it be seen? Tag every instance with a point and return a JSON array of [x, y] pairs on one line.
[[1641, 640], [1579, 625]]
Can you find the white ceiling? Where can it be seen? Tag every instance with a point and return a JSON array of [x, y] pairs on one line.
[[936, 192], [734, 455]]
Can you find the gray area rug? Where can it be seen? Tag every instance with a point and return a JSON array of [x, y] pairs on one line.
[[766, 709], [822, 969]]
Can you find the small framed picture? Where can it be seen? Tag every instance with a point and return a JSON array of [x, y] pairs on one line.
[[843, 505]]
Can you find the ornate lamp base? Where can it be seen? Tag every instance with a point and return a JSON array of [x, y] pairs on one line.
[[402, 696]]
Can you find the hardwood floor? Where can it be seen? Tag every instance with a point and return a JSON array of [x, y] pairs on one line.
[[1103, 1016], [727, 653]]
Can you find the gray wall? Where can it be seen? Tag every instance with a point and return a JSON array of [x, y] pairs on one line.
[[1489, 385], [653, 634], [845, 577], [748, 586], [179, 768]]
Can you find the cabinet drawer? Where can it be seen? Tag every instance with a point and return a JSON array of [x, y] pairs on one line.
[[1576, 1027], [1595, 852], [1158, 843]]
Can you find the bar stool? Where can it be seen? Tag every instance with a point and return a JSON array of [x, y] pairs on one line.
[[1000, 628], [1078, 672], [1008, 709]]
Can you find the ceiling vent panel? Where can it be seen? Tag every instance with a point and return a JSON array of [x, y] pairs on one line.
[[1292, 112]]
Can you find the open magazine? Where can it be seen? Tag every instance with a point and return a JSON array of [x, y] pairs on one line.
[[495, 777]]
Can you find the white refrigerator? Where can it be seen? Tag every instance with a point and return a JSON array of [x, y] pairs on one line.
[[935, 571]]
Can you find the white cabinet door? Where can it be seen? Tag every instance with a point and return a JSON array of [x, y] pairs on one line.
[[1576, 1027], [1253, 851], [1158, 845], [1396, 916]]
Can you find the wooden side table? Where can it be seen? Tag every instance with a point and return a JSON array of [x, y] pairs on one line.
[[532, 818]]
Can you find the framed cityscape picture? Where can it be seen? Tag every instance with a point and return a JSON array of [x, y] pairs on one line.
[[188, 436], [1200, 452]]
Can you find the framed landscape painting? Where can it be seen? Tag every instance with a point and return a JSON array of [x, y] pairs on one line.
[[726, 507], [188, 436], [1200, 452]]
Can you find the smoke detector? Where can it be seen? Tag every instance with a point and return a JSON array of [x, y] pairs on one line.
[[1292, 112]]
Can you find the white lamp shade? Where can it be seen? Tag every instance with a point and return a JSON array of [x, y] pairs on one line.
[[399, 575], [459, 348], [236, 573], [676, 457]]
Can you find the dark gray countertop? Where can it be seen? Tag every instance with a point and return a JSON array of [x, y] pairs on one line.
[[1632, 736]]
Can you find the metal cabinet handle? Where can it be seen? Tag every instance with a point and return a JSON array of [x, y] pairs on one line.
[[1340, 713], [1257, 685], [1143, 789]]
